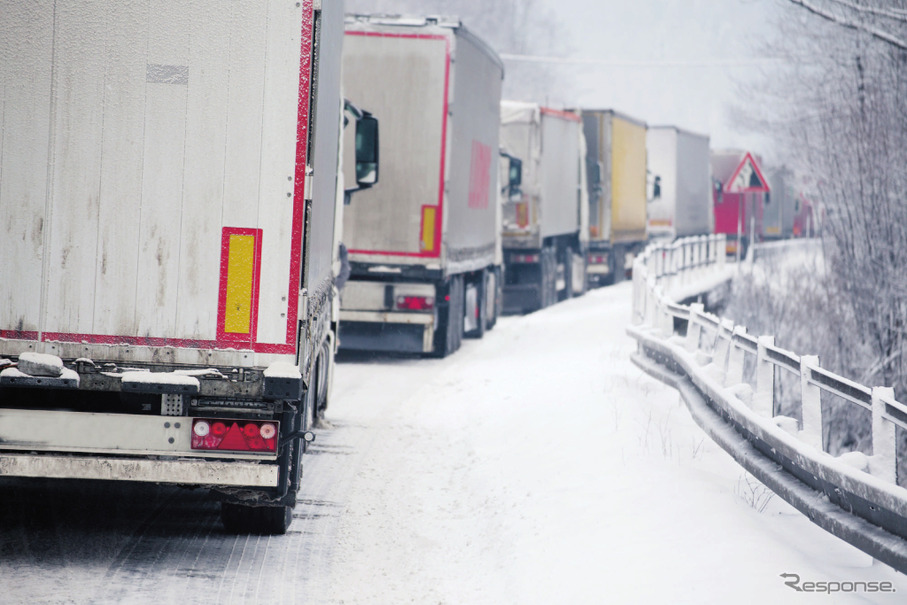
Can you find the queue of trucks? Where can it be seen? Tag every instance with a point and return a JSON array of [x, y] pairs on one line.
[[191, 226]]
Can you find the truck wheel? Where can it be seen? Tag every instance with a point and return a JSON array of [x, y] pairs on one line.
[[549, 277], [459, 311], [261, 520], [450, 328], [492, 289], [481, 307], [568, 274], [619, 259], [321, 384]]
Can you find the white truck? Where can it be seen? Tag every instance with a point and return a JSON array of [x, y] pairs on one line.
[[681, 184], [422, 244], [545, 214], [167, 234]]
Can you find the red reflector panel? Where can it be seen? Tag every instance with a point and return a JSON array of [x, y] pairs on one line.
[[234, 435], [415, 303]]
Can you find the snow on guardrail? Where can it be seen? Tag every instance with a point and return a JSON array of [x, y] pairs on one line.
[[727, 378]]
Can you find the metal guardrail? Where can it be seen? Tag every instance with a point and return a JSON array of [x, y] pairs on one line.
[[712, 356]]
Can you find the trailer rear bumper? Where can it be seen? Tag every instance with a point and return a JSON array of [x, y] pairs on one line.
[[185, 472], [387, 331]]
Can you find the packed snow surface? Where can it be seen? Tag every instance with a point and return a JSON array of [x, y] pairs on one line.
[[536, 466]]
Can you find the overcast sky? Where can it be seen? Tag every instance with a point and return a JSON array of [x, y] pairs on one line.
[[669, 61]]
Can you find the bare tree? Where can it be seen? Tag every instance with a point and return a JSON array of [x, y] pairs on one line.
[[841, 114]]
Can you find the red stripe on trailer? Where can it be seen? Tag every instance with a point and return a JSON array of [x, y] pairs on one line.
[[302, 138], [440, 216], [565, 115], [479, 175], [19, 334]]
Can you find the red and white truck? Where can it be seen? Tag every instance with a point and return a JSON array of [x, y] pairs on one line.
[[167, 234], [422, 244], [545, 215]]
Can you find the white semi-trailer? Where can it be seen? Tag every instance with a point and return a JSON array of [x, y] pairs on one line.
[[681, 183], [422, 245], [545, 214], [167, 240]]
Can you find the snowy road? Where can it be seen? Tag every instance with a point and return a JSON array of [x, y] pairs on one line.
[[535, 466]]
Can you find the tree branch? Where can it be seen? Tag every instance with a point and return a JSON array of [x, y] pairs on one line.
[[875, 33], [893, 13]]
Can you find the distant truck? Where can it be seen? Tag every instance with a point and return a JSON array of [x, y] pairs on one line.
[[681, 203], [616, 177], [740, 194], [167, 212], [545, 216], [422, 244]]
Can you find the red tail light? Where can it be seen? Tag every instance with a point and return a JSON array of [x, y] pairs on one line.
[[234, 435], [415, 303], [525, 258]]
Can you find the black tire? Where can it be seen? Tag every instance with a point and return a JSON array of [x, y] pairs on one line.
[[260, 520], [617, 265], [481, 318], [321, 385], [459, 313], [494, 291], [568, 274], [545, 278], [449, 334]]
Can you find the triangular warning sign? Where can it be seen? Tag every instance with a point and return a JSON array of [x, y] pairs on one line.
[[748, 177]]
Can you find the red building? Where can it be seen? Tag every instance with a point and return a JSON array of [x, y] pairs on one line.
[[739, 194]]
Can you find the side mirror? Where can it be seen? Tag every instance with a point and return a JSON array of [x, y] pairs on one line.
[[656, 188], [366, 151], [594, 174], [515, 175]]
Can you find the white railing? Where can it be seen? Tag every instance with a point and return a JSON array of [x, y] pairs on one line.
[[735, 374]]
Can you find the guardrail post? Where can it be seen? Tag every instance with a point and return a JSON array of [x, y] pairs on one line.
[[651, 302], [811, 403], [694, 328], [764, 398], [723, 343], [702, 251], [735, 360], [694, 259], [665, 317], [721, 249], [884, 444]]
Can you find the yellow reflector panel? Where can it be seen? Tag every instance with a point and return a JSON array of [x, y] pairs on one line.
[[429, 215], [240, 275]]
